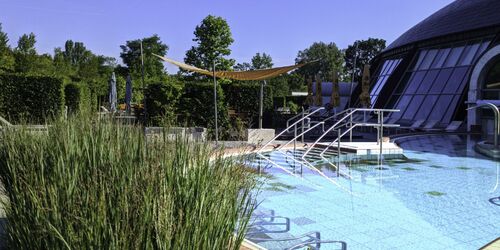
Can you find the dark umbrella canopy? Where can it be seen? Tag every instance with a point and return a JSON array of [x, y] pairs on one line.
[[365, 87], [335, 97], [319, 96], [112, 93]]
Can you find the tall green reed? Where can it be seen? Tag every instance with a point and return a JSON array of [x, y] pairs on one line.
[[98, 185]]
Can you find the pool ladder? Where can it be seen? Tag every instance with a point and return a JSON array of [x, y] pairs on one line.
[[311, 239], [304, 124]]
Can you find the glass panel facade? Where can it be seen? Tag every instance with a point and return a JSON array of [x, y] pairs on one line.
[[432, 87], [379, 81]]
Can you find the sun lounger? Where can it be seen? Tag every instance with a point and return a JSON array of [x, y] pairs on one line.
[[453, 126], [3, 121], [414, 126], [430, 126]]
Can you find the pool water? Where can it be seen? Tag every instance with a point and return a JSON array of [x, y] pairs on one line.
[[441, 196]]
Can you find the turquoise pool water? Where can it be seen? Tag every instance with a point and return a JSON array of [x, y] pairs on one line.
[[443, 196]]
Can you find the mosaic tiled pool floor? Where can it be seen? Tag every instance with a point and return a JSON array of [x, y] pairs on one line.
[[445, 198]]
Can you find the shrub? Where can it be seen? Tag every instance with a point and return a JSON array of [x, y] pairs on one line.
[[97, 185], [72, 97], [77, 97], [245, 97], [34, 98], [161, 103], [196, 108]]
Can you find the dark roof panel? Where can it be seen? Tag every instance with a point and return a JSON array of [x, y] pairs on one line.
[[459, 16]]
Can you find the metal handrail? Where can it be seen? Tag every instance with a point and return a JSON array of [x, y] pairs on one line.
[[308, 165], [334, 126], [317, 235], [318, 244], [338, 114], [285, 130], [497, 118], [328, 131], [299, 135], [277, 165], [259, 224], [298, 115], [348, 130]]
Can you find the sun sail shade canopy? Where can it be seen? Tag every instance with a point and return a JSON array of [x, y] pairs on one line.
[[261, 74]]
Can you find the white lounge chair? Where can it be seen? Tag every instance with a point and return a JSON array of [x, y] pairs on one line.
[[430, 126], [453, 126]]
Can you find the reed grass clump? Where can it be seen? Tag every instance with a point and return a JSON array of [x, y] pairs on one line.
[[98, 185]]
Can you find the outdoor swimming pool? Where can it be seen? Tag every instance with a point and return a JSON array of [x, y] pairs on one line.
[[443, 196]]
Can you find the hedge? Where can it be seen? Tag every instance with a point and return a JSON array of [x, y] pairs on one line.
[[72, 97], [77, 97], [244, 97], [196, 108], [161, 103], [31, 98]]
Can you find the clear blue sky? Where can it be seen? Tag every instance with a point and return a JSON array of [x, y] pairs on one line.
[[278, 27]]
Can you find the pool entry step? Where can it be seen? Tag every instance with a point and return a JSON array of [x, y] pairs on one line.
[[324, 156]]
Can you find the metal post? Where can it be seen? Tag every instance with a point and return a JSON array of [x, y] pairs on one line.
[[378, 130], [497, 127], [261, 110], [294, 145], [295, 139], [143, 85], [350, 132], [338, 153], [215, 105], [302, 125], [381, 118]]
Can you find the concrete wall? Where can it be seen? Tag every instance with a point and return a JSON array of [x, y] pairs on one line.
[[259, 136], [195, 134]]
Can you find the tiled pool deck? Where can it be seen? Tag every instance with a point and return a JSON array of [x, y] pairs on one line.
[[444, 197]]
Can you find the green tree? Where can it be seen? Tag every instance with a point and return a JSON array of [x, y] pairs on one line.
[[263, 61], [7, 60], [76, 53], [328, 57], [363, 51], [213, 38], [243, 66], [25, 53], [153, 67], [43, 65], [64, 68], [26, 44]]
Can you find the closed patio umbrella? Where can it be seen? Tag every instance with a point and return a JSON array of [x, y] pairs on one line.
[[310, 98], [128, 93], [319, 96], [364, 97], [112, 93], [335, 97]]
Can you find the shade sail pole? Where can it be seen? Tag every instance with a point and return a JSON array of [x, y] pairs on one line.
[[215, 104], [261, 103]]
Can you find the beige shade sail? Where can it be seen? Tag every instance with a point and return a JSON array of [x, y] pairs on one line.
[[261, 74], [335, 98]]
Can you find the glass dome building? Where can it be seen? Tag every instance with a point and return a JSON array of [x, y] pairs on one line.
[[435, 69]]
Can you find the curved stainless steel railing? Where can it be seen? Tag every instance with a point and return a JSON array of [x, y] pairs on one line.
[[310, 245], [497, 118]]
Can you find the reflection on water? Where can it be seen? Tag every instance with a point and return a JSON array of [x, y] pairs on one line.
[[442, 195]]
